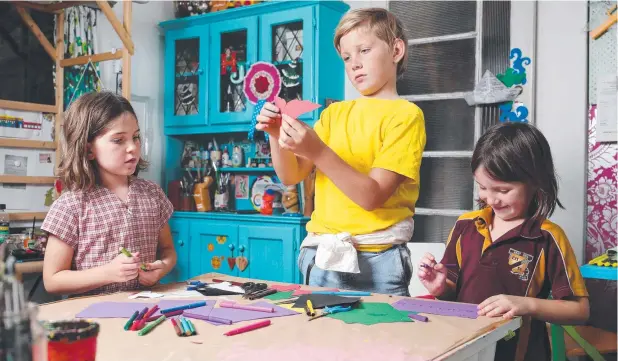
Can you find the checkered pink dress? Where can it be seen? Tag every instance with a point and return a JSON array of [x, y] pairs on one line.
[[97, 223]]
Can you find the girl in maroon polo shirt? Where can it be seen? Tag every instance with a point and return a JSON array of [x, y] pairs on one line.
[[508, 257], [106, 206]]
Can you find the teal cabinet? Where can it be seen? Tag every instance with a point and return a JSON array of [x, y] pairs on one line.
[[207, 57], [212, 242], [270, 250], [209, 248], [234, 48], [186, 76], [288, 42]]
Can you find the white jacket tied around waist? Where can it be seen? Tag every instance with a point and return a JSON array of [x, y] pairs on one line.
[[336, 252]]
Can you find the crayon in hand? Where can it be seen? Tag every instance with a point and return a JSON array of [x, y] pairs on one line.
[[128, 254]]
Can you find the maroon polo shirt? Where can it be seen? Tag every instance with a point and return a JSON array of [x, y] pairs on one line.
[[534, 259]]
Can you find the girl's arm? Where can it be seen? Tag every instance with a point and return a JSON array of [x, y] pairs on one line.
[[568, 311], [58, 277], [166, 259], [571, 311], [165, 250]]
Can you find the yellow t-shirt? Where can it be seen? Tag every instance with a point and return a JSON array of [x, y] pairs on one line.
[[369, 133]]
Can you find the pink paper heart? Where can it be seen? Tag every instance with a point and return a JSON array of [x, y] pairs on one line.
[[295, 108]]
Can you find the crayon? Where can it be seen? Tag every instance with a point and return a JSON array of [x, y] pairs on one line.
[[129, 323], [251, 327], [151, 325], [184, 307], [176, 328]]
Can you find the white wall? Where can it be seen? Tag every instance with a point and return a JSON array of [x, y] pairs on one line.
[[562, 106], [146, 66]]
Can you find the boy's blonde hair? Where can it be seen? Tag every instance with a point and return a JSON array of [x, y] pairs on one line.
[[381, 22]]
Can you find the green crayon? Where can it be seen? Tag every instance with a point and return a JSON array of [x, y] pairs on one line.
[[128, 254], [151, 325]]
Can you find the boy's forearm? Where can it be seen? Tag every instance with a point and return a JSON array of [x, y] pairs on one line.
[[73, 282], [286, 164], [562, 312]]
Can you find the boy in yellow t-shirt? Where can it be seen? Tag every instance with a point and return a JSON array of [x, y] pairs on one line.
[[368, 154]]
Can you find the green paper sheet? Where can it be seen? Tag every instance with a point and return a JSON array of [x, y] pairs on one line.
[[279, 296], [371, 313]]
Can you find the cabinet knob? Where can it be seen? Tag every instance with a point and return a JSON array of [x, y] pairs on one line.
[[181, 242], [241, 248], [200, 71], [231, 247]]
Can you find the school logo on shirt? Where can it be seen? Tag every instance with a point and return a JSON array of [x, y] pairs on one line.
[[520, 260]]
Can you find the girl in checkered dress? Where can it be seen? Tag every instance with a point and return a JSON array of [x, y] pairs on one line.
[[105, 206]]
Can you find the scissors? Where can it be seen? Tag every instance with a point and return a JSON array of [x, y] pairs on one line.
[[330, 310], [251, 287]]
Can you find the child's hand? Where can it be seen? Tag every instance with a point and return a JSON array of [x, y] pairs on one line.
[[269, 120], [432, 277], [299, 138], [123, 268], [506, 306], [153, 275]]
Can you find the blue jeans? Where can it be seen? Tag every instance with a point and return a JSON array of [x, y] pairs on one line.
[[387, 272]]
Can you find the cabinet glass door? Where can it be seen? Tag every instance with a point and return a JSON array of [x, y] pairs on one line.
[[234, 46], [186, 78], [290, 47]]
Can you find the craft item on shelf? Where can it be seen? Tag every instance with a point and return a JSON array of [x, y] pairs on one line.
[[202, 195], [222, 195], [237, 156], [290, 199], [225, 159], [259, 188], [266, 208]]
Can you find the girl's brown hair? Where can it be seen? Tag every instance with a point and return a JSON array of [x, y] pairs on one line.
[[518, 152], [86, 119]]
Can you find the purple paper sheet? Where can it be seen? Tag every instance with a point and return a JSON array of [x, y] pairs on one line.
[[236, 315], [112, 309], [434, 307]]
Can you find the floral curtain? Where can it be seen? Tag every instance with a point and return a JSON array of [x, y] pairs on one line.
[[79, 39]]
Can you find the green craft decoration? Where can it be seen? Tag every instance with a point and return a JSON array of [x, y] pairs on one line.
[[279, 296], [510, 78], [49, 197], [371, 313]]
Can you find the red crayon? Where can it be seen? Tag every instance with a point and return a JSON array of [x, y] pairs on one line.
[[176, 328], [147, 316], [251, 327]]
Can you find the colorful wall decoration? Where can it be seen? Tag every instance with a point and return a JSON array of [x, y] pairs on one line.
[[515, 111]]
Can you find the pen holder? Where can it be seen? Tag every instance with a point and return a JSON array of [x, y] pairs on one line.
[[186, 203], [73, 340]]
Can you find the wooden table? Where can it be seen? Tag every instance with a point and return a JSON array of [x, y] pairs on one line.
[[293, 338]]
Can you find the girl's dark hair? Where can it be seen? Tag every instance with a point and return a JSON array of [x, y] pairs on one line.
[[518, 152], [86, 119]]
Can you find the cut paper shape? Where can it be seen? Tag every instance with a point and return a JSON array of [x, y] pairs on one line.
[[513, 112], [301, 292], [371, 313], [279, 296], [435, 307], [242, 262], [112, 309], [490, 90], [238, 315], [295, 107], [321, 301], [285, 288], [146, 294]]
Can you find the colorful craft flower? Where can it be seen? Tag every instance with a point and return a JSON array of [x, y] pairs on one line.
[[262, 82]]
